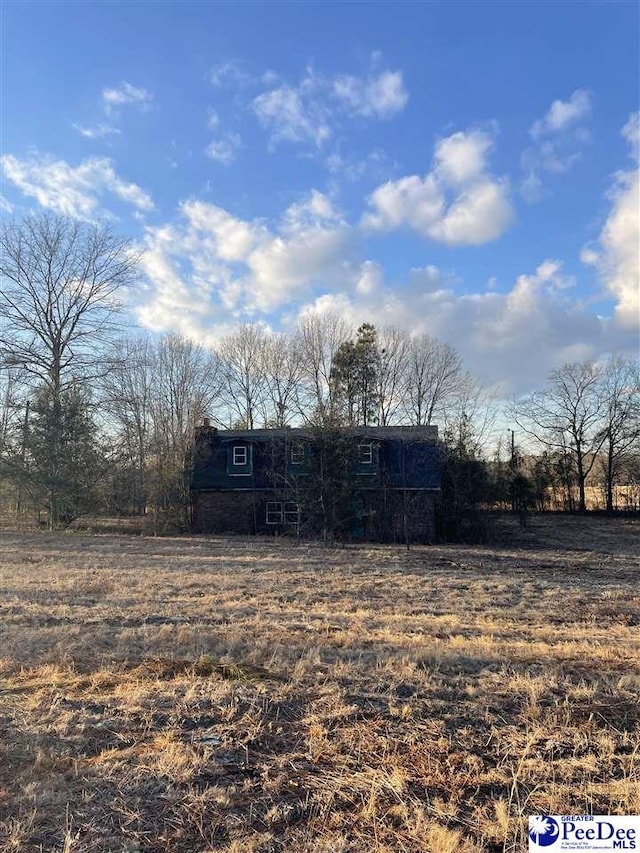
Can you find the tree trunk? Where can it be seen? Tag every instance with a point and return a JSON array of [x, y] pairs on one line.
[[582, 502], [609, 483]]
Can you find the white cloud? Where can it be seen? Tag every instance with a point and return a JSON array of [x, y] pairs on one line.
[[463, 156], [381, 96], [631, 132], [223, 150], [564, 114], [230, 73], [212, 231], [233, 269], [313, 246], [617, 253], [412, 200], [480, 214], [98, 131], [112, 99], [429, 278], [314, 211], [282, 269], [72, 191], [376, 165], [511, 340], [457, 203], [370, 278], [125, 94], [211, 269], [291, 116], [312, 110], [558, 140]]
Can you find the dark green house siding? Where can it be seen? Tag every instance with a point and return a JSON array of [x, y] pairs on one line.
[[246, 481]]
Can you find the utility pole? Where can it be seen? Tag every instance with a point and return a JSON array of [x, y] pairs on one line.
[[513, 464]]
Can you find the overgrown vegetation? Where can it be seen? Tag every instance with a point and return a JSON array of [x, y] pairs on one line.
[[325, 492]]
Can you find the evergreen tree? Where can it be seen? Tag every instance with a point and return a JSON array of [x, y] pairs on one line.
[[354, 375], [63, 463], [466, 487]]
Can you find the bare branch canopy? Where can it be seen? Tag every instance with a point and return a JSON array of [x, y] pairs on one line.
[[59, 285]]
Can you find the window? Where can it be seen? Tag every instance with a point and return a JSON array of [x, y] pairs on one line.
[[297, 453], [240, 456], [274, 512], [282, 513], [239, 460], [365, 454], [291, 513]]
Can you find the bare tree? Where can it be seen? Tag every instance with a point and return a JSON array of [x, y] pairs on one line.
[[434, 376], [282, 372], [470, 411], [14, 425], [621, 419], [60, 281], [242, 375], [319, 337], [155, 395], [8, 406], [59, 286], [567, 417], [128, 390], [185, 385], [392, 374]]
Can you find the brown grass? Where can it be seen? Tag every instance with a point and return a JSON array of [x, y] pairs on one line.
[[247, 696]]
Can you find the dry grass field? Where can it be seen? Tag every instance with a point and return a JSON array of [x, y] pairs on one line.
[[251, 696]]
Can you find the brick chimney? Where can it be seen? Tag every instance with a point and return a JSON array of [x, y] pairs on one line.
[[205, 432]]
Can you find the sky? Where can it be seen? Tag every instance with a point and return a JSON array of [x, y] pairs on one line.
[[467, 170]]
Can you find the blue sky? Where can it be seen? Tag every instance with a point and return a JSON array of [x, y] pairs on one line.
[[467, 170]]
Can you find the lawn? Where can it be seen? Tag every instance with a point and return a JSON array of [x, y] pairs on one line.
[[252, 696]]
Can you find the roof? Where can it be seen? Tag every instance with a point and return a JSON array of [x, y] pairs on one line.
[[408, 433]]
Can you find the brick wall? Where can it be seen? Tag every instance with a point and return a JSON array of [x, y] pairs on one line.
[[225, 512], [383, 515]]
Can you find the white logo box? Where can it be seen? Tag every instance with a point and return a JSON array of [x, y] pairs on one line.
[[584, 833]]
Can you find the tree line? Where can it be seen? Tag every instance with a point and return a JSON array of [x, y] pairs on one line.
[[95, 417], [588, 417]]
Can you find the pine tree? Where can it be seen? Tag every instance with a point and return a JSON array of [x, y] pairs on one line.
[[63, 463], [354, 374]]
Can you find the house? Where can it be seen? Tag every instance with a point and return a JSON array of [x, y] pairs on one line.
[[376, 483]]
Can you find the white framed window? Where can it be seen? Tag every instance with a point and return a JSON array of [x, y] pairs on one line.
[[274, 512], [291, 513], [365, 454], [297, 453], [282, 513], [240, 455]]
